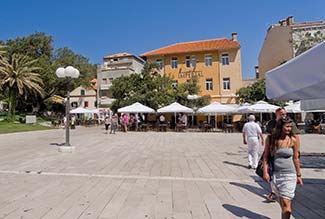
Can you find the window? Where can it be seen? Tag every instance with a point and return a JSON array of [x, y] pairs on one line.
[[160, 63], [175, 83], [82, 92], [194, 61], [225, 59], [209, 84], [174, 62], [104, 81], [226, 83], [74, 104], [208, 60], [188, 62], [85, 104]]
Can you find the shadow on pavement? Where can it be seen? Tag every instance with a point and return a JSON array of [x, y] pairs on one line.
[[235, 164], [257, 191], [57, 144], [242, 212], [312, 160]]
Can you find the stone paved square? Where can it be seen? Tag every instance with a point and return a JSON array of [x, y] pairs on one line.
[[144, 175]]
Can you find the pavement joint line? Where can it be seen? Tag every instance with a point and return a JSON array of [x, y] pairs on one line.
[[170, 178]]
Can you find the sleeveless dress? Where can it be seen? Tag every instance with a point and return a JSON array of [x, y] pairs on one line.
[[284, 179]]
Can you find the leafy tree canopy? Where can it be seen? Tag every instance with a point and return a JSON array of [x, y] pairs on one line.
[[255, 92], [39, 46], [153, 90]]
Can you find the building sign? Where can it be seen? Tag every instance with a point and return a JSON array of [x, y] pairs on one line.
[[190, 74]]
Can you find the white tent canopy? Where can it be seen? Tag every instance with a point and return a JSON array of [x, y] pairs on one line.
[[80, 110], [175, 108], [216, 107], [242, 108], [303, 77], [136, 108], [293, 107], [259, 107]]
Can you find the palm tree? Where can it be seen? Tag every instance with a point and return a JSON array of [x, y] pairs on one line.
[[19, 76], [2, 51]]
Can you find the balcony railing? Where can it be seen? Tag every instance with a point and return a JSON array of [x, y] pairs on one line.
[[105, 86]]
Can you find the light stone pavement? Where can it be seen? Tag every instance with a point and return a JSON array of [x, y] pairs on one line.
[[144, 175]]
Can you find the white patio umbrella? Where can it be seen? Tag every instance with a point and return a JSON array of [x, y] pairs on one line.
[[293, 107], [215, 108], [242, 107], [136, 108], [259, 107], [80, 110], [175, 108]]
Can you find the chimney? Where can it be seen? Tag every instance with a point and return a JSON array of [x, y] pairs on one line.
[[234, 36], [257, 73], [289, 20], [282, 23]]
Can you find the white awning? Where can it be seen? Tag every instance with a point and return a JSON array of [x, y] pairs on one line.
[[136, 108], [216, 107], [303, 77], [175, 108]]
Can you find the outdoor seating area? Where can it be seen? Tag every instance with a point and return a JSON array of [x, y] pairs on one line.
[[215, 117]]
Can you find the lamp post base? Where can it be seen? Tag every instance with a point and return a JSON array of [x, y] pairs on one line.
[[66, 149]]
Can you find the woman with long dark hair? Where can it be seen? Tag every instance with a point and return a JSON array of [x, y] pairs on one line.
[[283, 147]]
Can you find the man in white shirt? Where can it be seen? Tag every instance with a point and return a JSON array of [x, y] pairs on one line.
[[252, 133], [162, 119]]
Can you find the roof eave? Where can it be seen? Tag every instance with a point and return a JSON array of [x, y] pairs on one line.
[[171, 53]]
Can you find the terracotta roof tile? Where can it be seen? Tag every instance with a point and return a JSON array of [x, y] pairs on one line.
[[204, 45]]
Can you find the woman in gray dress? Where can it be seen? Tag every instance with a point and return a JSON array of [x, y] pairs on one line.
[[283, 147]]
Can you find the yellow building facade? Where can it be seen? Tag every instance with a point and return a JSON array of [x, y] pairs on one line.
[[216, 63]]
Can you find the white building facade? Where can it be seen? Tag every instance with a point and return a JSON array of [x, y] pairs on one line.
[[115, 66]]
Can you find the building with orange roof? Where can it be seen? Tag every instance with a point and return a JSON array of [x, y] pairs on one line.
[[216, 63], [286, 40], [115, 66]]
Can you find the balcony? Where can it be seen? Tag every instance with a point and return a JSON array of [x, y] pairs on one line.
[[105, 100], [105, 86]]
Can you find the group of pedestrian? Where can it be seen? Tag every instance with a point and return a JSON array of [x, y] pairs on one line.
[[282, 145]]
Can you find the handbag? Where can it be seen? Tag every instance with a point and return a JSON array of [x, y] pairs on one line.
[[260, 166]]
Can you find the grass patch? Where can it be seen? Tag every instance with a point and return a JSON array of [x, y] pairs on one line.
[[8, 127]]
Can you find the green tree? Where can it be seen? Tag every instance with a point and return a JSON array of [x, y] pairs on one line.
[[153, 90], [39, 46], [254, 93], [19, 76]]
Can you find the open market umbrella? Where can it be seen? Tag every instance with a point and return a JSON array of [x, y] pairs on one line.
[[294, 107], [136, 108], [80, 110], [175, 108], [259, 107]]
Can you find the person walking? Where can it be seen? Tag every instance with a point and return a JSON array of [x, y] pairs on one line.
[[252, 135], [125, 121], [283, 146], [270, 129], [113, 124], [107, 123]]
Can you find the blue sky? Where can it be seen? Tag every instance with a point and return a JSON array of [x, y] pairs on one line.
[[95, 28]]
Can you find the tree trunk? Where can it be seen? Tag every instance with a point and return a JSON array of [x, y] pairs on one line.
[[12, 104]]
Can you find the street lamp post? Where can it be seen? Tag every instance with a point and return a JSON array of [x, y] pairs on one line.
[[68, 72], [193, 98]]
